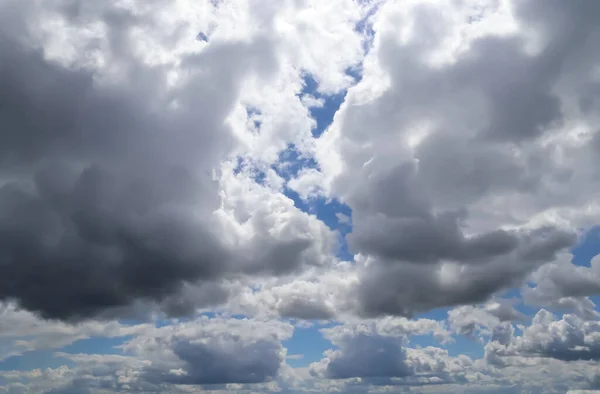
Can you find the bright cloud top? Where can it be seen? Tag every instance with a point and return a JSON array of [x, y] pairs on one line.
[[299, 196]]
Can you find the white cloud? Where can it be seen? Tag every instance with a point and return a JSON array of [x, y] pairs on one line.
[[27, 332], [468, 320]]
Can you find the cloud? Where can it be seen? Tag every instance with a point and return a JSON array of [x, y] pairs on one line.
[[404, 287], [209, 352], [468, 320], [318, 293], [566, 286], [96, 196], [367, 357], [568, 339], [376, 352], [107, 189], [212, 351], [455, 149], [27, 332]]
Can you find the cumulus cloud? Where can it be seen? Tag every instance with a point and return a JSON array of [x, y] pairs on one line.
[[463, 120], [569, 338], [108, 183], [201, 352], [92, 190], [547, 341], [213, 351], [468, 320], [564, 285], [26, 332], [376, 352]]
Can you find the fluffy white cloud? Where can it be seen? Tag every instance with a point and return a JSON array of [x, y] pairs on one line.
[[568, 339]]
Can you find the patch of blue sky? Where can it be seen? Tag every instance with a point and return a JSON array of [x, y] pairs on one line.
[[588, 248], [336, 215], [365, 27], [96, 345], [520, 305], [163, 322], [469, 346], [460, 344], [356, 72], [434, 314], [250, 168], [254, 115], [36, 359], [583, 252], [47, 359], [308, 342], [330, 211], [291, 161], [323, 115], [201, 36], [326, 211]]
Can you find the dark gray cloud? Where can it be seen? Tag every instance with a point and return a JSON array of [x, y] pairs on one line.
[[402, 287], [212, 352], [102, 221], [199, 352], [383, 360], [106, 186], [305, 309], [594, 382], [369, 356], [228, 362]]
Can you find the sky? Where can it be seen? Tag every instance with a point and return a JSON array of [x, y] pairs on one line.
[[299, 196]]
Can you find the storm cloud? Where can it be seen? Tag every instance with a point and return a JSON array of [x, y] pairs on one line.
[[107, 189]]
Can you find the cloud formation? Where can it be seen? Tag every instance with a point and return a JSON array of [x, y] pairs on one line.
[[108, 193]]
